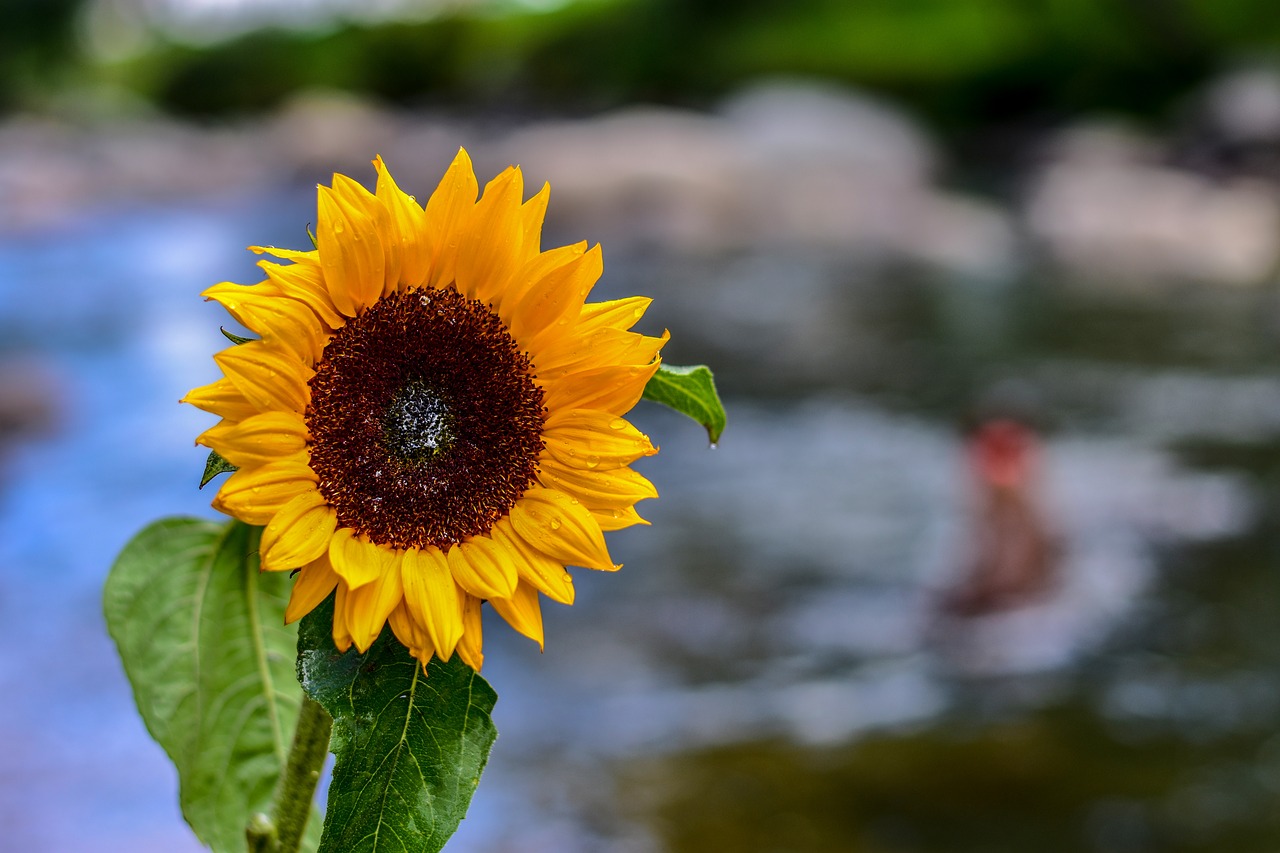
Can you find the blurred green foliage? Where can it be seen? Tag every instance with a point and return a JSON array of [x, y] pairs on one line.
[[36, 43], [958, 61]]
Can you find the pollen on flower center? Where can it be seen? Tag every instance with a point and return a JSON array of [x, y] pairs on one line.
[[417, 424], [425, 422]]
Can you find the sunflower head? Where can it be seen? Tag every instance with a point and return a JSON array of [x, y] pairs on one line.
[[432, 416]]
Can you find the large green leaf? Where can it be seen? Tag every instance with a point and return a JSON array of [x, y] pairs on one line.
[[690, 391], [202, 636], [410, 746]]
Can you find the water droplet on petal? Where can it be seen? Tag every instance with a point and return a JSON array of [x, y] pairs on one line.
[[555, 524], [617, 423]]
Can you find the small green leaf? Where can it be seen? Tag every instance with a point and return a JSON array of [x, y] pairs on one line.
[[315, 244], [410, 746], [234, 338], [690, 391], [202, 636], [213, 466]]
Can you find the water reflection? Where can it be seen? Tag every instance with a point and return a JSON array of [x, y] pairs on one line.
[[1164, 740], [767, 672]]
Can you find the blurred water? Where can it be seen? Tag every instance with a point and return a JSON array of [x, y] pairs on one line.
[[773, 633]]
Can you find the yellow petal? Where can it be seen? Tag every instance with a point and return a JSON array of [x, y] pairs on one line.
[[558, 355], [472, 638], [483, 568], [613, 388], [368, 606], [615, 314], [286, 254], [298, 534], [507, 303], [521, 610], [341, 636], [532, 213], [617, 519], [405, 627], [593, 440], [561, 528], [288, 323], [255, 495], [221, 398], [490, 238], [351, 253], [357, 560], [448, 206], [257, 440], [408, 228], [614, 488], [271, 379], [433, 598], [312, 586], [359, 198], [412, 635], [548, 576], [556, 295], [305, 283]]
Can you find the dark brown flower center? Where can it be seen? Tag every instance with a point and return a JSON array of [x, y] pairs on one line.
[[425, 422]]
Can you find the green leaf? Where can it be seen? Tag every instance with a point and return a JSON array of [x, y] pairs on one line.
[[410, 747], [202, 636], [690, 391], [213, 466], [234, 338]]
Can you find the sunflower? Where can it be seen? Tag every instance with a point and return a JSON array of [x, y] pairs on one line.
[[432, 416]]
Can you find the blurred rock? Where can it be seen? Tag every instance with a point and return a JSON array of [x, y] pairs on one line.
[[324, 132], [789, 124], [664, 176], [1232, 125], [38, 177], [836, 169], [51, 170], [1244, 106], [1105, 207], [783, 164]]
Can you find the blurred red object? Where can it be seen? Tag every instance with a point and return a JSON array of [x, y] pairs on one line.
[[1015, 557]]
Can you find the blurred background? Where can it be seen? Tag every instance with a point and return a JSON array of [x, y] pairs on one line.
[[987, 558]]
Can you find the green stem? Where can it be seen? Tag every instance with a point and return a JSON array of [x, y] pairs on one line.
[[296, 789]]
